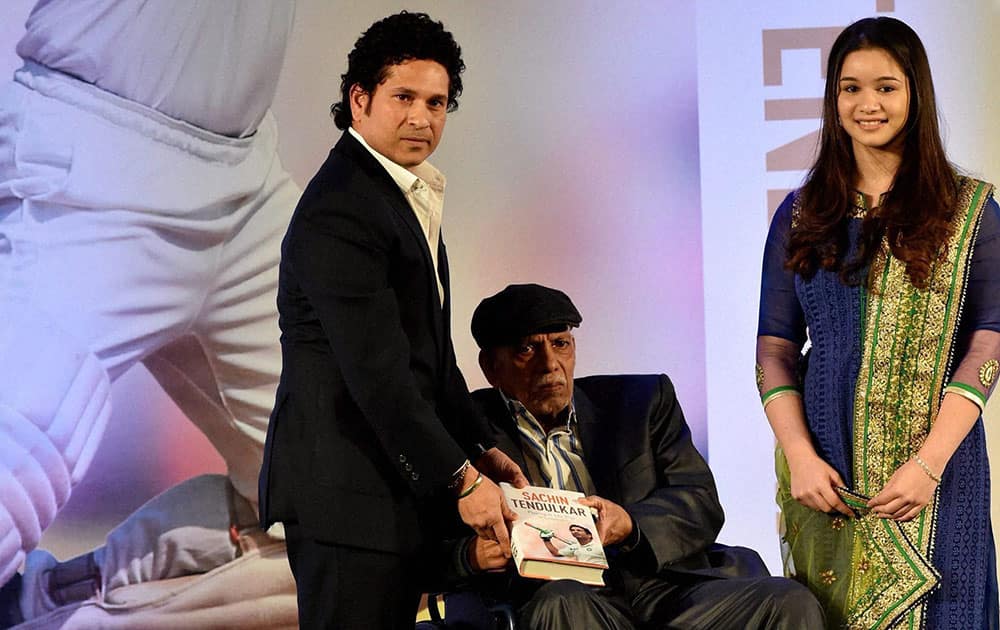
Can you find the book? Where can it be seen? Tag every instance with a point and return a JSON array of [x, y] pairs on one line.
[[554, 537]]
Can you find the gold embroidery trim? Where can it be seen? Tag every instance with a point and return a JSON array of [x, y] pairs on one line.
[[908, 336], [988, 372], [860, 208], [885, 563]]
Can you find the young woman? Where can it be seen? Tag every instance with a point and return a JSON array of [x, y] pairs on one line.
[[887, 261]]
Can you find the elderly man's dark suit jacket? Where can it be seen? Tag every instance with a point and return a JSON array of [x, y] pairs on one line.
[[372, 415], [638, 450]]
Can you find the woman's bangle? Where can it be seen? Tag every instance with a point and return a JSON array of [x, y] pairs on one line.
[[967, 392], [472, 487], [778, 392], [927, 469]]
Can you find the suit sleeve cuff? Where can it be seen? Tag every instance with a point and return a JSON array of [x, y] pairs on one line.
[[634, 539], [479, 448], [460, 558]]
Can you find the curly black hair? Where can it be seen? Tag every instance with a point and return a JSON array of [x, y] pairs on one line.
[[392, 40]]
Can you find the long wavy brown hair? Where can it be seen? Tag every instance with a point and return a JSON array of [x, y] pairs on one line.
[[915, 214]]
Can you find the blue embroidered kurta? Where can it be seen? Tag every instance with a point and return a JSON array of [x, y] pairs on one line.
[[830, 315]]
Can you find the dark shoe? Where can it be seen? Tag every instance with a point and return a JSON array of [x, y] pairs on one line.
[[10, 607]]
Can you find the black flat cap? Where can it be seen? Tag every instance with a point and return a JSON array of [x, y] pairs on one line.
[[521, 310]]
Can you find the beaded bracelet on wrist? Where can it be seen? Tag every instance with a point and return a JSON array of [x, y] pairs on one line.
[[458, 476], [927, 469]]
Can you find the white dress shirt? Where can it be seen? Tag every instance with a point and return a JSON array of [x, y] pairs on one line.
[[423, 188], [553, 458]]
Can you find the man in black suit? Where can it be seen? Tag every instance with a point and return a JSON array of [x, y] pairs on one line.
[[373, 429], [622, 441]]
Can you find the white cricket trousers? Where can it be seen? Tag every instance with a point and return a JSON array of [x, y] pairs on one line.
[[127, 236]]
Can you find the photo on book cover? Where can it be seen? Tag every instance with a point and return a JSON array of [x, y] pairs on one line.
[[554, 536]]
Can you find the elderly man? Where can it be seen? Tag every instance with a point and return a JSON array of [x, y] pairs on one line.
[[623, 441]]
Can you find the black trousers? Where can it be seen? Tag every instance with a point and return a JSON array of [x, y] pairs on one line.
[[347, 587], [724, 604]]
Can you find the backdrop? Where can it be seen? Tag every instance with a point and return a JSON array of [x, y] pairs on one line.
[[626, 153]]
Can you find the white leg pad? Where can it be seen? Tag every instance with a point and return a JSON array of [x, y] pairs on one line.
[[55, 401]]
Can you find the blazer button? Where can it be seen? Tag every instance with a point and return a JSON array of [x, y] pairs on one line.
[[415, 476], [402, 458], [408, 467]]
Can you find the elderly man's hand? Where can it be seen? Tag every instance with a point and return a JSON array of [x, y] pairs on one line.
[[485, 510], [498, 466], [613, 523], [486, 555]]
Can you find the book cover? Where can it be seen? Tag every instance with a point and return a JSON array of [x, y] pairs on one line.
[[554, 537]]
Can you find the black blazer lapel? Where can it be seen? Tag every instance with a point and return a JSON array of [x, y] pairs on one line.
[[443, 314], [600, 446], [390, 191], [501, 424]]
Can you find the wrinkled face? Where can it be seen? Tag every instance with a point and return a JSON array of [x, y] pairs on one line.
[[404, 118], [537, 371], [873, 101], [582, 536]]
